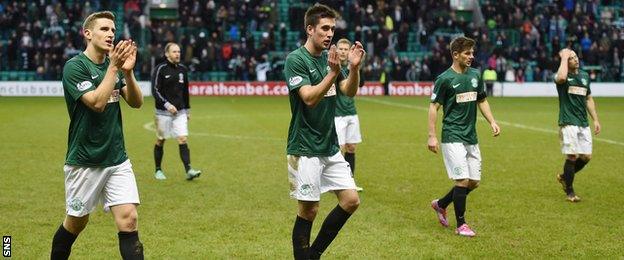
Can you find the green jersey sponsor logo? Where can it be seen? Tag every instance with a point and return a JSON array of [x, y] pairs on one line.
[[466, 97], [295, 80], [82, 86], [331, 91], [577, 91]]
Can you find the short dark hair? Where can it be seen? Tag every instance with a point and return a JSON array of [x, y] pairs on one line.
[[317, 12], [90, 21], [462, 43]]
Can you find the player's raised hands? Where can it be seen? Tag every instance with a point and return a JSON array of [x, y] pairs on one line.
[[565, 53], [116, 55], [130, 57], [332, 58], [356, 55]]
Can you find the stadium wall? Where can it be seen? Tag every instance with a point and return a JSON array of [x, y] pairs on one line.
[[46, 88], [544, 89], [256, 88], [277, 88]]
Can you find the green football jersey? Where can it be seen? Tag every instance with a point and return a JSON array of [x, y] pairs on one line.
[[312, 131], [94, 139], [345, 105], [458, 93], [573, 99]]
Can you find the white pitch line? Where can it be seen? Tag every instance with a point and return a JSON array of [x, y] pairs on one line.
[[537, 129], [150, 127], [394, 104]]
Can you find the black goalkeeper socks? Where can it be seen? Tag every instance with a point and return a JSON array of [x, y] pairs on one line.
[[158, 155], [185, 155], [62, 243], [129, 246], [301, 238]]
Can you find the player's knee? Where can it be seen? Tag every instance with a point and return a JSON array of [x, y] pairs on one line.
[[160, 142], [585, 157], [571, 157], [350, 203], [182, 139], [309, 213], [473, 184], [462, 182], [127, 221], [75, 225], [350, 148]]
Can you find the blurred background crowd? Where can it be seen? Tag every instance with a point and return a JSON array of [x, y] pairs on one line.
[[249, 39]]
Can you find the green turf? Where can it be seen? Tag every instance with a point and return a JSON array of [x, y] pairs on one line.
[[239, 207]]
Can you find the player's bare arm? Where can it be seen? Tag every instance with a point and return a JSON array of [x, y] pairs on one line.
[[484, 106], [97, 99], [562, 72], [432, 141], [591, 108], [131, 92], [312, 95], [356, 55]]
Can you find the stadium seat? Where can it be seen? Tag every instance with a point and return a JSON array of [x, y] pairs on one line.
[[608, 12], [13, 75]]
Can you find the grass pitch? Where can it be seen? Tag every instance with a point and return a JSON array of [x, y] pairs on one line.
[[239, 207]]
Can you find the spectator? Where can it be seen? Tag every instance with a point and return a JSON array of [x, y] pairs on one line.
[[36, 33], [520, 75], [262, 68], [489, 76], [510, 74], [412, 74]]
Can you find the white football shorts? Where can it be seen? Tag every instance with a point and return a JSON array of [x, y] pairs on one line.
[[311, 176], [348, 129], [462, 161], [575, 139], [171, 126], [85, 187]]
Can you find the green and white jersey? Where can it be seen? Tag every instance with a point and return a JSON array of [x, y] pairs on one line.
[[312, 131], [458, 94], [345, 105], [573, 99], [94, 139]]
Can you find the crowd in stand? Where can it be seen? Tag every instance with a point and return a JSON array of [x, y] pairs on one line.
[[519, 39]]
